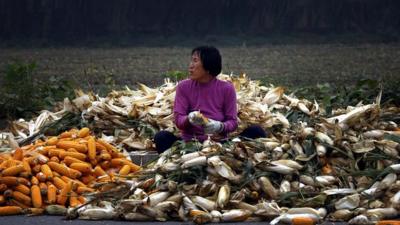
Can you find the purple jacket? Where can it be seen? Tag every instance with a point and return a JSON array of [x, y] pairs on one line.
[[215, 100]]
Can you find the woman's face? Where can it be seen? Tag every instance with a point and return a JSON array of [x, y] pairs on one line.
[[196, 69]]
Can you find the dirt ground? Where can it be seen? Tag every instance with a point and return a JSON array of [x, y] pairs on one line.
[[281, 64]]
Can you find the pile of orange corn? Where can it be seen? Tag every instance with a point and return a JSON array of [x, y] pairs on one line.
[[58, 170]]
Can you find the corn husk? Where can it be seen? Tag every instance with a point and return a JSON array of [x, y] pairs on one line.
[[277, 178]]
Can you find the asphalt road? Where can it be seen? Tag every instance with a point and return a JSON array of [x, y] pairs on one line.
[[59, 220]]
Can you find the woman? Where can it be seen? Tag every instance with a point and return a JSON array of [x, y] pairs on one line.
[[204, 95]]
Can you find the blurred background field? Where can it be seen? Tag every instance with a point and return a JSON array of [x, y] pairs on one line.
[[281, 64]]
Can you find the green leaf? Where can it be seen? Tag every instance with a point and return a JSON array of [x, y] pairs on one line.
[[392, 137]]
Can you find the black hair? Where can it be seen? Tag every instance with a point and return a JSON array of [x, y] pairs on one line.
[[210, 58]]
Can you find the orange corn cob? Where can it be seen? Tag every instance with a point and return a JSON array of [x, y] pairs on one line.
[[51, 194], [72, 144], [68, 134], [13, 202], [76, 155], [2, 200], [41, 177], [27, 167], [98, 171], [34, 180], [46, 171], [36, 196], [125, 170], [81, 190], [91, 148], [43, 188], [59, 183], [303, 221], [18, 154], [54, 159], [69, 160], [21, 197], [34, 211], [10, 210], [64, 170], [52, 141], [107, 145], [23, 189], [64, 194], [73, 200], [83, 132], [11, 181], [82, 167], [87, 179], [55, 152], [3, 187], [12, 171]]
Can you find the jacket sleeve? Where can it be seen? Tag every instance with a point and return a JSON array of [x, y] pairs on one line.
[[230, 110], [181, 108]]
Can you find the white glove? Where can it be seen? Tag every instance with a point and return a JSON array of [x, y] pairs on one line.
[[195, 118], [213, 127]]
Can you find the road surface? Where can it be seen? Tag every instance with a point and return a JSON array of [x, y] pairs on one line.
[[58, 220]]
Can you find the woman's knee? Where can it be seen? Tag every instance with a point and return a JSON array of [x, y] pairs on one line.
[[164, 140], [162, 135], [254, 131]]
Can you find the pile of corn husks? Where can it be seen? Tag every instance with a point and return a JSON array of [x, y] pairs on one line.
[[342, 168]]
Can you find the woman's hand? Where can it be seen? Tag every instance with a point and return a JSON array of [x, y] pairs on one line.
[[210, 126], [196, 118], [213, 127]]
